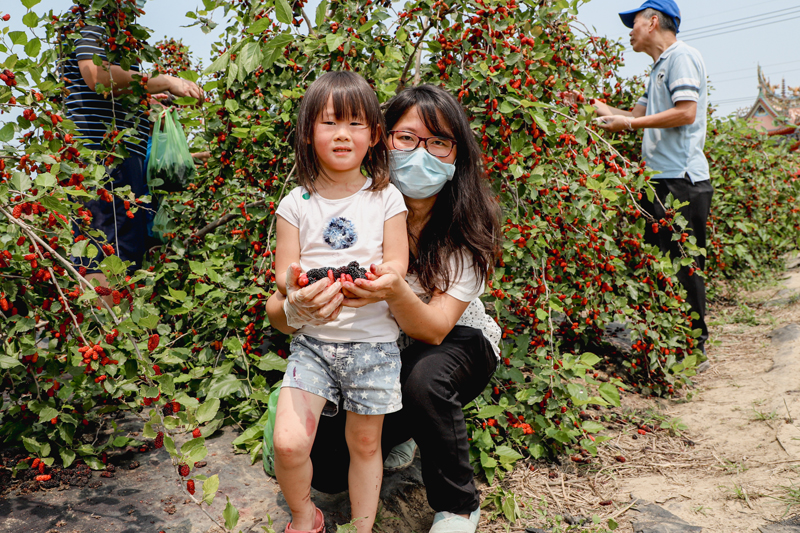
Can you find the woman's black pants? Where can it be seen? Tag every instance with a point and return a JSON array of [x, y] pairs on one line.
[[437, 381]]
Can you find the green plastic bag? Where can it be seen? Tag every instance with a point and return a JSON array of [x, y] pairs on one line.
[[170, 167], [268, 450], [163, 223]]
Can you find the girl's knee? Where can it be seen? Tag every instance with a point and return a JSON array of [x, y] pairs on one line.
[[291, 448], [364, 445]]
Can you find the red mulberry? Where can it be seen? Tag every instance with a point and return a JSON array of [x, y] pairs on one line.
[[159, 442], [190, 485], [102, 291], [152, 344], [196, 433], [184, 470]]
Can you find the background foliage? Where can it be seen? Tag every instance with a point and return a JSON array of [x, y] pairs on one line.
[[188, 334]]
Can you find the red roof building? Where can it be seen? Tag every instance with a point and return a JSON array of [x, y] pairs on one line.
[[777, 110]]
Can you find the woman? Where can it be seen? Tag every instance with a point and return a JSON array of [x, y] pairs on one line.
[[450, 345]]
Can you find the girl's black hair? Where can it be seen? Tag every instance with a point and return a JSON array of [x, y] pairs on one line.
[[465, 219], [352, 97]]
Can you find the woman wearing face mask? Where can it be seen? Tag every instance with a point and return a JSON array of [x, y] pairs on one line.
[[450, 346]]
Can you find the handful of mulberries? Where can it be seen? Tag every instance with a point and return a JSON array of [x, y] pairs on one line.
[[351, 272]]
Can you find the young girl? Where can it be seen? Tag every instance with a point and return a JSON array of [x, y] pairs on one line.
[[336, 216]]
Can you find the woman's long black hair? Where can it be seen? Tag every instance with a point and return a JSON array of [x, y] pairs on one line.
[[465, 219]]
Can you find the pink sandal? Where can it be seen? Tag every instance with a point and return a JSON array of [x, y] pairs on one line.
[[319, 524]]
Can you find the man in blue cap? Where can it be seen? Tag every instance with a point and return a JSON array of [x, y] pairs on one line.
[[673, 114]]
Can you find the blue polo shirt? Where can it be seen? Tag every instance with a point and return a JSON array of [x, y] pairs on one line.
[[678, 75]]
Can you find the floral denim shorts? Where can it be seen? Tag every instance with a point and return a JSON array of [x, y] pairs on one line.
[[363, 376]]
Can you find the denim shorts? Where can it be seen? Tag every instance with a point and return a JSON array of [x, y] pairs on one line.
[[362, 376]]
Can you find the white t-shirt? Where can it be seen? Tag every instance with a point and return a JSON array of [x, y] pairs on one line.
[[332, 234], [466, 288]]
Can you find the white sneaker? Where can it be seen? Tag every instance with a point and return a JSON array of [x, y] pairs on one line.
[[446, 522]]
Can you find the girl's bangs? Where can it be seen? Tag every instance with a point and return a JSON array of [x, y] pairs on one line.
[[351, 102]]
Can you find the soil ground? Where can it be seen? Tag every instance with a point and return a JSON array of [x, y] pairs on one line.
[[724, 456]]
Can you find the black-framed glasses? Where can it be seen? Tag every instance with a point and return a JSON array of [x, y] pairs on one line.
[[405, 141]]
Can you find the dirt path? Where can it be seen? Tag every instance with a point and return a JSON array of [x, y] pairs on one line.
[[730, 464], [745, 415]]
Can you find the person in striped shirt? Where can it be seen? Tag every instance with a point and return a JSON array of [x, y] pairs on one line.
[[94, 115]]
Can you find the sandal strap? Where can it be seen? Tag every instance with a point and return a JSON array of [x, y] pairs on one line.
[[319, 524]]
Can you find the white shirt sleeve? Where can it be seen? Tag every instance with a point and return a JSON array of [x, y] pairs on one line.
[[393, 202], [467, 286], [289, 208], [684, 78]]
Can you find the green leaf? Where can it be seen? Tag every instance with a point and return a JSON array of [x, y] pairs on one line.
[[486, 461], [191, 445], [33, 47], [94, 463], [185, 100], [207, 411], [189, 75], [47, 414], [270, 361], [21, 182], [31, 19], [224, 386], [367, 25], [210, 487], [18, 37], [219, 64], [259, 26], [283, 12], [322, 8], [491, 411], [231, 515], [507, 455], [8, 362], [334, 40], [250, 57], [7, 132], [167, 384], [589, 359], [32, 445], [610, 393], [67, 456], [30, 3], [506, 107], [592, 427]]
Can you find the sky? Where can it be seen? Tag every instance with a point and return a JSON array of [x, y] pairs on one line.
[[766, 35]]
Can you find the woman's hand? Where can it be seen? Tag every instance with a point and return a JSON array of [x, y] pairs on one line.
[[313, 305], [382, 283]]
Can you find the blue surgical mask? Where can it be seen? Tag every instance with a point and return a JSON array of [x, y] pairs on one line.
[[418, 174]]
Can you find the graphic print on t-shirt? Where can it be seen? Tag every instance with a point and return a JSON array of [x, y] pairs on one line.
[[340, 233]]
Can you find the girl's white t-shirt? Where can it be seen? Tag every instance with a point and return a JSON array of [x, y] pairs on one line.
[[332, 234], [467, 288]]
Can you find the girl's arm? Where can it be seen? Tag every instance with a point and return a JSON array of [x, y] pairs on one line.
[[395, 244], [287, 250]]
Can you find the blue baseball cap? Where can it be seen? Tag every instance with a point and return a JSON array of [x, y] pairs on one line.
[[668, 7]]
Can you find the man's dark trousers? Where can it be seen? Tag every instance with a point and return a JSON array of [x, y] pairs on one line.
[[696, 214]]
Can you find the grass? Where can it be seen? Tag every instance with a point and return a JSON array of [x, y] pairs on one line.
[[739, 492], [790, 497]]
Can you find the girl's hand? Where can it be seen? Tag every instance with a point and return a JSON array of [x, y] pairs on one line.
[[313, 305], [382, 283]]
